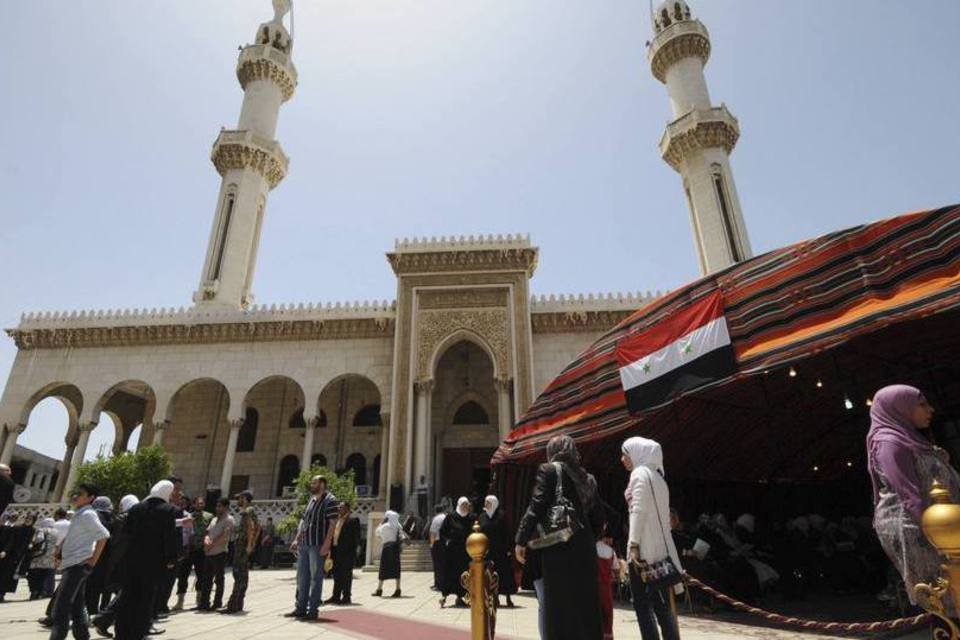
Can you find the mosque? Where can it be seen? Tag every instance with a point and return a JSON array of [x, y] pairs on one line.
[[413, 394]]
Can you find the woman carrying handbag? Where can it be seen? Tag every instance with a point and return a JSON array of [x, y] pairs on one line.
[[655, 571], [558, 524]]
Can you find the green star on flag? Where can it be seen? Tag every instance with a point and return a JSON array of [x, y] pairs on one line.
[[646, 367]]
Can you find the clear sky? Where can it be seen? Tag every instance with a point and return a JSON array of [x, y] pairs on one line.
[[431, 117]]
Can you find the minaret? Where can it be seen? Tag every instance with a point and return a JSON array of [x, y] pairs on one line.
[[251, 163], [698, 142]]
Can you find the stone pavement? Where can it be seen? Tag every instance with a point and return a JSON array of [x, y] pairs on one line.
[[415, 616]]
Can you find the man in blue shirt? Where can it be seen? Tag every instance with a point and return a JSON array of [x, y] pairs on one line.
[[76, 556]]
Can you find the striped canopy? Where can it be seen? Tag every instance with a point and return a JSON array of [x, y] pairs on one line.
[[845, 310]]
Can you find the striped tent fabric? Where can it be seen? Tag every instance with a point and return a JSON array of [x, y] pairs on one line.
[[781, 308]]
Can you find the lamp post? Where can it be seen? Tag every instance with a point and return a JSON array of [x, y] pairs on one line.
[[941, 525]]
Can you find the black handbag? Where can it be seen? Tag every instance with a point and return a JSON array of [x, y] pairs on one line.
[[662, 573], [561, 521]]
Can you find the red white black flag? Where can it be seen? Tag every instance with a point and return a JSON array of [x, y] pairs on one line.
[[679, 354]]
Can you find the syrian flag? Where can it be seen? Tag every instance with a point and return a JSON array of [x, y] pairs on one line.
[[679, 354]]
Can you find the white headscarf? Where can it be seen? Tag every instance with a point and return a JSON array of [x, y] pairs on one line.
[[128, 501], [393, 518], [494, 504], [644, 452], [389, 529], [162, 490], [463, 506], [46, 523]]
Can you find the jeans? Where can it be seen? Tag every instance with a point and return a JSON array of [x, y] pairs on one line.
[[652, 607], [70, 605], [195, 559], [541, 609], [309, 579]]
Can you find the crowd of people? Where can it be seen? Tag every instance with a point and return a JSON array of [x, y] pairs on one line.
[[574, 547]]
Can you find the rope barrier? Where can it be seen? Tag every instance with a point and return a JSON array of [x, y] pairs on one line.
[[842, 627]]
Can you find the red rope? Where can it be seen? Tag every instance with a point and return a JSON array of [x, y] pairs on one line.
[[843, 627]]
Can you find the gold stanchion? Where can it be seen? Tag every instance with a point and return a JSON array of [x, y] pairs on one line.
[[941, 525], [482, 585]]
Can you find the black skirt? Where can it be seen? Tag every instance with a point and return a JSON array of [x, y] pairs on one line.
[[390, 561]]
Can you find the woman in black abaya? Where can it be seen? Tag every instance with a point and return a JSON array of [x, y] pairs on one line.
[[494, 526], [453, 536]]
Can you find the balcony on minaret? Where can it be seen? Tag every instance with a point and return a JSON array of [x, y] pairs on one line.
[[698, 129], [266, 62], [239, 149]]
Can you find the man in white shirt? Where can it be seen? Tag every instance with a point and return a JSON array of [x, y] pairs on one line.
[[436, 551]]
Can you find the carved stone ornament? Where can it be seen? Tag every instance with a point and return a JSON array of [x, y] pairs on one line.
[[522, 259], [679, 41], [698, 129], [262, 67], [436, 326], [202, 333], [462, 299], [577, 321], [424, 386], [228, 156]]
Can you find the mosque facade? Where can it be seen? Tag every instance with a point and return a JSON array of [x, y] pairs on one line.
[[412, 395]]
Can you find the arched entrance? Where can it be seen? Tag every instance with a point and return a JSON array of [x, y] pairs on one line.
[[463, 421]]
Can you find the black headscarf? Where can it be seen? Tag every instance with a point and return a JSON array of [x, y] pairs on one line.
[[564, 449]]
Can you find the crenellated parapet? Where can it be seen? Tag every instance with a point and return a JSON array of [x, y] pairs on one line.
[[244, 149], [464, 253], [198, 325], [585, 312]]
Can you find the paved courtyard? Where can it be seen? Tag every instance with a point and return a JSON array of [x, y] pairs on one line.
[[415, 616]]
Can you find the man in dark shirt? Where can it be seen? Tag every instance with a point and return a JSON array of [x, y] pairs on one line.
[[314, 535], [346, 538], [152, 531], [6, 488]]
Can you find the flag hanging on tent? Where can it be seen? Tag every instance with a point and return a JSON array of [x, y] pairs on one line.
[[684, 352]]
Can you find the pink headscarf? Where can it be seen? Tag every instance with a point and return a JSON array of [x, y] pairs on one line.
[[891, 422]]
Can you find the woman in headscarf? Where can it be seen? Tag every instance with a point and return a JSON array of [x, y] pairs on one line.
[[13, 553], [494, 526], [648, 503], [903, 464], [390, 534], [40, 576], [569, 568], [453, 536]]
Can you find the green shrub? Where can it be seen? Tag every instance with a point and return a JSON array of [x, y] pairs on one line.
[[341, 486], [129, 472]]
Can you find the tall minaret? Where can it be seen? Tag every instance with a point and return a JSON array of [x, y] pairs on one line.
[[251, 163], [698, 142]]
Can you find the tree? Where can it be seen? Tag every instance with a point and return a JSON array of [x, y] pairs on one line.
[[130, 472], [341, 486]]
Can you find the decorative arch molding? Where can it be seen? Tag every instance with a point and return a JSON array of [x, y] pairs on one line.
[[435, 342], [460, 400], [67, 393], [174, 397], [347, 376], [266, 380]]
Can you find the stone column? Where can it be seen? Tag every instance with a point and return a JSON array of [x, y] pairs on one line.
[[384, 455], [424, 389], [308, 434], [79, 452], [11, 442], [227, 473], [65, 467], [504, 385], [158, 429]]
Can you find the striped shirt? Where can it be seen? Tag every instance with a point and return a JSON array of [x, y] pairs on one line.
[[316, 519]]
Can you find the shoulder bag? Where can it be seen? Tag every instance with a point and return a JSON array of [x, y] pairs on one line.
[[662, 573], [561, 521]]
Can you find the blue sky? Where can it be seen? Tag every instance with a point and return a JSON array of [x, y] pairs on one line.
[[420, 117]]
